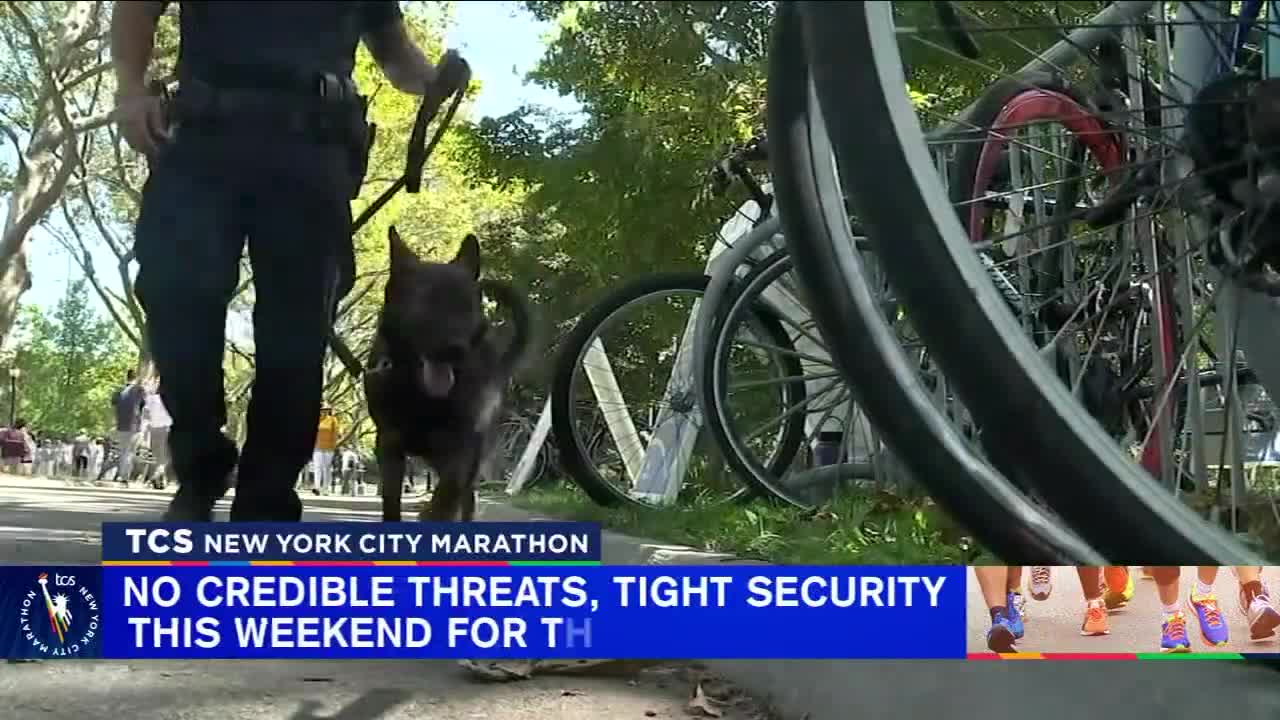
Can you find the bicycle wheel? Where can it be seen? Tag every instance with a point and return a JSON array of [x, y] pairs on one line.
[[843, 448], [1044, 433], [1046, 284], [778, 375], [613, 466], [513, 438], [884, 381]]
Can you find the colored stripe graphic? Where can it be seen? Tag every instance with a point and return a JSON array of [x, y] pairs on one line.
[[348, 563], [1125, 656], [1052, 656], [54, 621], [1191, 656]]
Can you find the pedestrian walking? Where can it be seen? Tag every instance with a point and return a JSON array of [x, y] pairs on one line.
[[322, 458], [128, 403], [81, 453], [158, 424]]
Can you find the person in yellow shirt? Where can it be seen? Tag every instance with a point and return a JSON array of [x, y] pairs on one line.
[[322, 458]]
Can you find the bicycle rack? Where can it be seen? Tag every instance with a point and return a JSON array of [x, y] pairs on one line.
[[658, 473]]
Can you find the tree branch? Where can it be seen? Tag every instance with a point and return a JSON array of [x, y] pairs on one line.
[[28, 207], [84, 259]]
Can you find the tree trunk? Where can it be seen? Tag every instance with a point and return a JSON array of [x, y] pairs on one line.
[[15, 279], [146, 364]]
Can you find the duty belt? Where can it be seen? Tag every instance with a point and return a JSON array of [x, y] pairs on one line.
[[330, 109]]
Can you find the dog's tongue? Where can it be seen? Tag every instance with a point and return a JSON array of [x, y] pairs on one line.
[[437, 378]]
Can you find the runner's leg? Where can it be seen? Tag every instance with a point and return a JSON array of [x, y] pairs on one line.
[[1041, 582], [1014, 601], [1095, 608], [1213, 629], [1119, 586], [994, 584], [1255, 603], [1173, 629]]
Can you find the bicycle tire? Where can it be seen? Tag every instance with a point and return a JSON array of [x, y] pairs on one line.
[[1051, 440], [740, 460], [538, 474], [1042, 97], [575, 459], [884, 382]]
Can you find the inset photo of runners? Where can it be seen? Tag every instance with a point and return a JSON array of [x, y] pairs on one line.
[[1120, 609]]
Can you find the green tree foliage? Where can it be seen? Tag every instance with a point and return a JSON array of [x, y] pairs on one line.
[[666, 88], [71, 361]]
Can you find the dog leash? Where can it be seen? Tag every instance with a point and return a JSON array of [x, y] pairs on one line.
[[452, 66]]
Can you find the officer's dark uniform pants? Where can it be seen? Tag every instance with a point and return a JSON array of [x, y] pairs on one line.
[[208, 195]]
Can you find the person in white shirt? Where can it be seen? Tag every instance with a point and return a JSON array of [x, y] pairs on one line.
[[97, 451], [81, 453], [350, 463], [159, 422]]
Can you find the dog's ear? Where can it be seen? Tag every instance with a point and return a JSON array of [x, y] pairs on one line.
[[469, 255], [401, 256]]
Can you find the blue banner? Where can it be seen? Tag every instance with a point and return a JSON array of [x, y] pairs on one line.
[[624, 612], [51, 611], [334, 542]]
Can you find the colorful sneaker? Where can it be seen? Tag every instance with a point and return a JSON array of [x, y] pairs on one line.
[[1118, 586], [1000, 637], [1014, 603], [1263, 617], [1213, 629], [1173, 634], [1041, 582], [1095, 619]]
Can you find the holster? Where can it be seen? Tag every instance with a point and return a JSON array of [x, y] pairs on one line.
[[329, 113], [362, 135]]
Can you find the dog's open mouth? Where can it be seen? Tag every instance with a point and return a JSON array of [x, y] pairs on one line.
[[437, 378]]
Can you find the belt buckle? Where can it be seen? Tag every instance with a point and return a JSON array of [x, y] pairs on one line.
[[331, 87]]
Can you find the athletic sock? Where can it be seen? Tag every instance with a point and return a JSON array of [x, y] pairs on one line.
[[1202, 589], [1173, 609]]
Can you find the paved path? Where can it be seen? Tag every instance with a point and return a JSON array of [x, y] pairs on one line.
[[1054, 624], [47, 522]]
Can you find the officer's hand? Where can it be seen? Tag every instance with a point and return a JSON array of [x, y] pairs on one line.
[[452, 74], [141, 119]]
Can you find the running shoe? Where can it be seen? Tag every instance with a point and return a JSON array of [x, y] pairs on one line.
[[1014, 602], [1095, 619], [1262, 615], [1000, 637], [1173, 634], [1213, 629], [1118, 586], [1041, 582]]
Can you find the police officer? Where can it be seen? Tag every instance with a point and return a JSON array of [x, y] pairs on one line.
[[263, 144]]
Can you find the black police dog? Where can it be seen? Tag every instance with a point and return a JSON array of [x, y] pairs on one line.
[[438, 374]]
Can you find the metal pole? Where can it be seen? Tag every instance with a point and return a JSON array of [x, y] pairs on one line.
[[13, 400], [1062, 54]]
